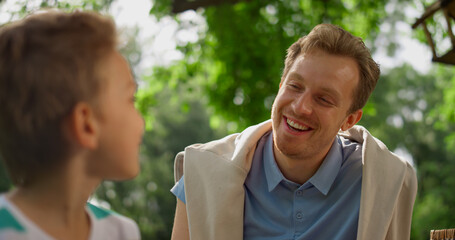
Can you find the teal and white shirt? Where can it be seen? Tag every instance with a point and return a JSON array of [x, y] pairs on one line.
[[105, 224]]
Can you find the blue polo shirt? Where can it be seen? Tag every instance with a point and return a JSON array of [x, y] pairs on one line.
[[325, 207]]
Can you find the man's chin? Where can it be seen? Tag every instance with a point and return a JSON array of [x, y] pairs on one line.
[[289, 151]]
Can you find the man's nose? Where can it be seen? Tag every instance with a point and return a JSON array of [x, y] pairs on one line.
[[303, 104]]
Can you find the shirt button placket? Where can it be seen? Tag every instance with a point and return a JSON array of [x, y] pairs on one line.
[[299, 216], [298, 213]]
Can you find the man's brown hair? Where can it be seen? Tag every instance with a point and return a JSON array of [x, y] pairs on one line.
[[48, 63], [337, 41]]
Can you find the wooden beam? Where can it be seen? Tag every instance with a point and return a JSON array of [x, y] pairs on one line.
[[450, 6], [428, 13], [429, 39], [449, 26]]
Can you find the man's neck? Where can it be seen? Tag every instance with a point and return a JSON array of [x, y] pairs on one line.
[[56, 203], [298, 169]]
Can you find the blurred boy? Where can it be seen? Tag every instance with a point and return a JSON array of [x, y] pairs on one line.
[[67, 122]]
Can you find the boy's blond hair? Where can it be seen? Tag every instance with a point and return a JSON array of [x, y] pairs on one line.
[[48, 63]]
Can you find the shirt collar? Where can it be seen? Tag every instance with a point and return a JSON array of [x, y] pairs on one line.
[[322, 179], [325, 176], [272, 173]]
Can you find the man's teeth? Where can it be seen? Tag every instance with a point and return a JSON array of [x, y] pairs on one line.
[[296, 125]]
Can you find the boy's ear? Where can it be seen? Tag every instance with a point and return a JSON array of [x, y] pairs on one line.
[[83, 124], [352, 119]]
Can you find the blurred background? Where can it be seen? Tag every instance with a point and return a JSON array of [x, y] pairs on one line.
[[207, 68]]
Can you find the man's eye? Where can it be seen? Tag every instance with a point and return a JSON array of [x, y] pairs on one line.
[[294, 86], [325, 101]]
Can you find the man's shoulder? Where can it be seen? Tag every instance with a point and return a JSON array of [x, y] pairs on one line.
[[362, 136], [234, 149], [357, 133], [218, 145], [375, 152], [231, 143]]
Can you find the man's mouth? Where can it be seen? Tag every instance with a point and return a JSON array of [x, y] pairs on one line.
[[295, 126]]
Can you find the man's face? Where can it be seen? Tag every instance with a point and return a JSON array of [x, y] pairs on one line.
[[312, 105]]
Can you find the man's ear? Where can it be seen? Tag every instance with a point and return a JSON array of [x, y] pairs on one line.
[[352, 119], [83, 125]]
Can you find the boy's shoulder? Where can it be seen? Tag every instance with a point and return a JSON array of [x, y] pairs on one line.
[[107, 224], [7, 219], [13, 225]]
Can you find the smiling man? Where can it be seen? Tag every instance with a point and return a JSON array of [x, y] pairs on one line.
[[309, 173]]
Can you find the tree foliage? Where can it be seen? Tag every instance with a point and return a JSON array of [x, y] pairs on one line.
[[240, 57], [405, 120]]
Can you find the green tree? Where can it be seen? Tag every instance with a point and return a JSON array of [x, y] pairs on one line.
[[404, 118], [239, 58], [436, 199]]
